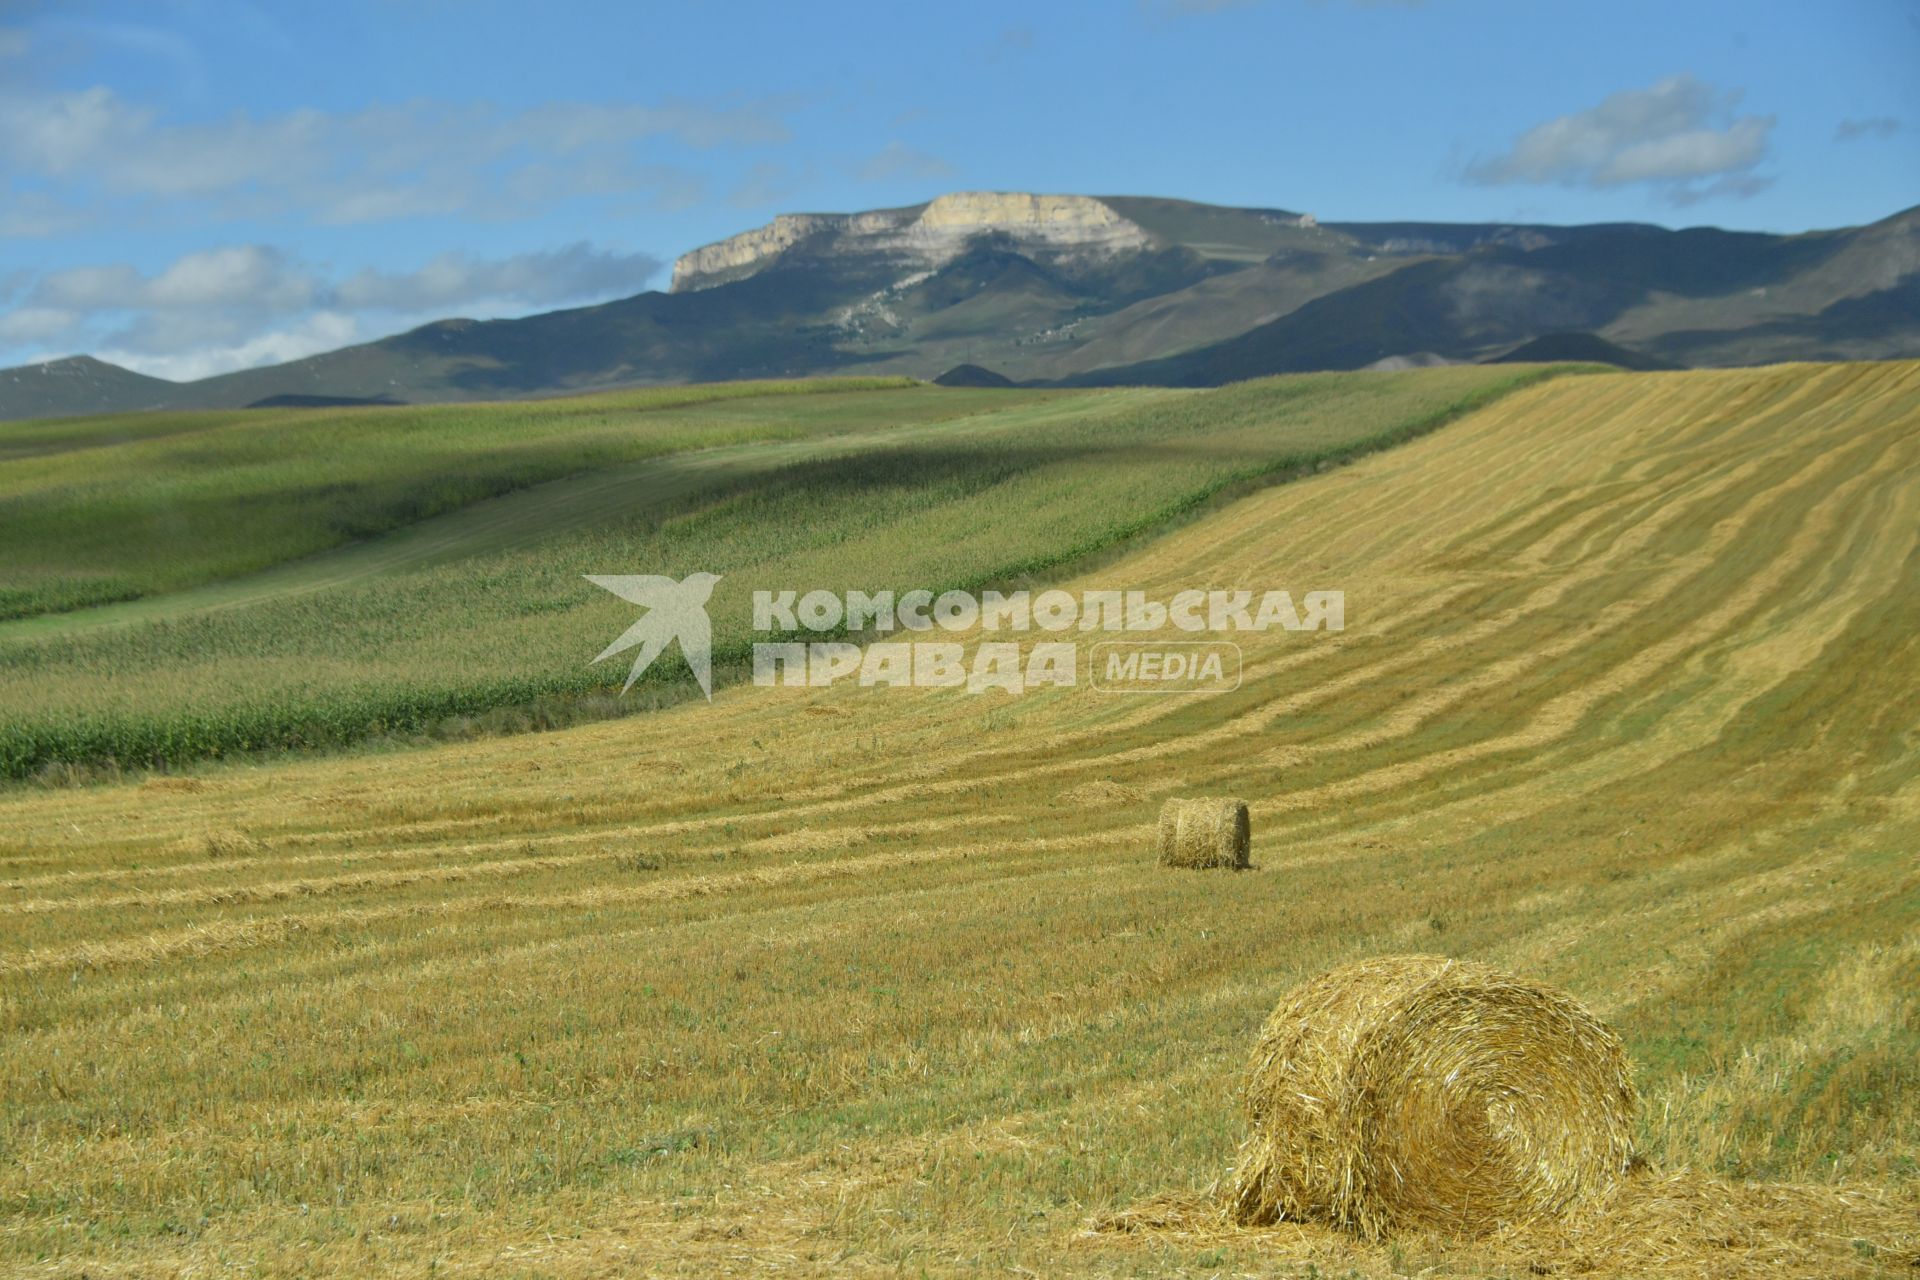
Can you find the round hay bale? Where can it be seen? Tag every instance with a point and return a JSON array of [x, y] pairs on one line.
[[1423, 1092], [1204, 833]]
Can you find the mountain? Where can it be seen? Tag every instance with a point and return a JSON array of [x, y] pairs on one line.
[[972, 375], [1071, 289], [77, 385], [1578, 348], [1696, 297]]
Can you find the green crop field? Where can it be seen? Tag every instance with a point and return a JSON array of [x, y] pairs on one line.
[[889, 981], [482, 611], [98, 509]]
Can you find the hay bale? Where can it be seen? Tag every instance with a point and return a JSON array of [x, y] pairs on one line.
[[1204, 833], [1423, 1092]]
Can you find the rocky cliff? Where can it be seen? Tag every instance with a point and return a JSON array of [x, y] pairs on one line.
[[920, 237]]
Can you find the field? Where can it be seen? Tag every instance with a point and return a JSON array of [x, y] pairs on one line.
[[109, 508], [478, 615], [887, 981]]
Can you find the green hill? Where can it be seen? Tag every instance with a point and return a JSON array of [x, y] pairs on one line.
[[78, 385], [972, 375], [310, 577], [1587, 348]]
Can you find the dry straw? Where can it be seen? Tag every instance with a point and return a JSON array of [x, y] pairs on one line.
[[1676, 1226], [1204, 833], [220, 843], [1423, 1092], [1099, 792]]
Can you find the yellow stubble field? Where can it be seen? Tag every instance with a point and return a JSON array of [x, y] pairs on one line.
[[890, 980]]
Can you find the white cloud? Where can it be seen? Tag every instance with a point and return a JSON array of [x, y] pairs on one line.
[[663, 187], [321, 331], [380, 163], [90, 288], [30, 214], [249, 277], [1688, 154], [12, 282], [37, 325], [175, 333], [455, 280], [1679, 136]]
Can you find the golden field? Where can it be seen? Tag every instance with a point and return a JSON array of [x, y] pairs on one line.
[[854, 980]]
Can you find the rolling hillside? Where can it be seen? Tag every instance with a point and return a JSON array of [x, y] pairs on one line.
[[865, 981], [1113, 290], [420, 570]]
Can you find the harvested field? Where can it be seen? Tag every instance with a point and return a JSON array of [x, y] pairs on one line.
[[1625, 703]]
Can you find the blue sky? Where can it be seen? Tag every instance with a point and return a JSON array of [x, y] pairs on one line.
[[192, 186]]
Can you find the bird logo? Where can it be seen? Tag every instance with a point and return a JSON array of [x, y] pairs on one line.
[[674, 611]]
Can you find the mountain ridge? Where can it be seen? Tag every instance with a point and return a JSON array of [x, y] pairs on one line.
[[1073, 290]]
